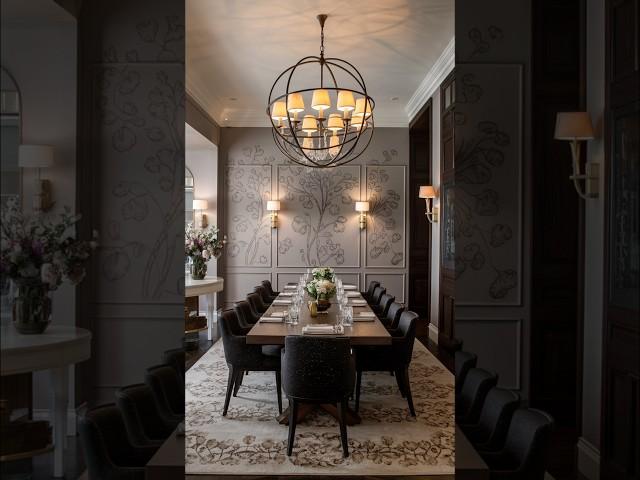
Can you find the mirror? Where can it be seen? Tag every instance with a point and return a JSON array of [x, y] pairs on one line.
[[10, 124], [189, 193]]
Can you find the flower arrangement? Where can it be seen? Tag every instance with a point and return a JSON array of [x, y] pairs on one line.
[[323, 273], [201, 246], [321, 289]]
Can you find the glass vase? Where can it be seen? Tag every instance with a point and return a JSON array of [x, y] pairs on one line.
[[198, 268], [31, 307]]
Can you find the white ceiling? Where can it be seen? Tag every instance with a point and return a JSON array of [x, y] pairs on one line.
[[236, 50]]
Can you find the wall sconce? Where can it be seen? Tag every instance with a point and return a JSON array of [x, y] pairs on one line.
[[273, 206], [38, 156], [363, 208], [200, 219], [576, 127], [428, 192]]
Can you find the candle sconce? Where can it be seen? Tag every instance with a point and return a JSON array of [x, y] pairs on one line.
[[200, 219], [428, 192], [273, 206], [363, 208]]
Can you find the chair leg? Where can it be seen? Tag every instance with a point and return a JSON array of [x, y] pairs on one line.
[[400, 382], [293, 418], [342, 415], [238, 382], [358, 383], [279, 390], [407, 387], [230, 382]]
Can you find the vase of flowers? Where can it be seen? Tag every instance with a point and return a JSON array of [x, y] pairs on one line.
[[323, 273], [321, 290], [38, 254], [201, 246]]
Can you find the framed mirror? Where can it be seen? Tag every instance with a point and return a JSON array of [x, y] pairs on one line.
[[11, 136]]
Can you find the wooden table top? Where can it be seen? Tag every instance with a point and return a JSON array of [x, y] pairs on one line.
[[361, 333]]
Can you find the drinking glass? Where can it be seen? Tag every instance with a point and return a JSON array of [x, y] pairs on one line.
[[294, 313], [348, 315]]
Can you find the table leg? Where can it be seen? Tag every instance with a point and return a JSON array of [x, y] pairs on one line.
[[60, 379], [211, 307]]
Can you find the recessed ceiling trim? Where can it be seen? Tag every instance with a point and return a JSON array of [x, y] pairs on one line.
[[441, 68]]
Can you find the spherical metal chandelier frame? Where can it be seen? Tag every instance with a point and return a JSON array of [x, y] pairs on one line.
[[352, 140]]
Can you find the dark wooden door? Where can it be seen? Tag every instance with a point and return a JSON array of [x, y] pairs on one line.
[[620, 451], [420, 242]]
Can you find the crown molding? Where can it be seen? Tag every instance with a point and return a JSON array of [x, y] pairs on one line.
[[441, 68], [210, 105]]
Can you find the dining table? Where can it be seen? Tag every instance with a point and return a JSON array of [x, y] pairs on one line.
[[365, 330]]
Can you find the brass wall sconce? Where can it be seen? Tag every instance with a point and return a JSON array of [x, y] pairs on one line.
[[428, 192], [273, 206], [200, 219], [576, 127], [38, 156], [363, 208]]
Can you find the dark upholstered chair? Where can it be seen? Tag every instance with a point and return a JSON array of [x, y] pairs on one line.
[[267, 284], [264, 294], [525, 452], [392, 318], [383, 305], [168, 390], [372, 286], [175, 358], [139, 410], [317, 370], [258, 306], [247, 317], [491, 429], [243, 358], [464, 361], [395, 357], [108, 452], [377, 295], [471, 398]]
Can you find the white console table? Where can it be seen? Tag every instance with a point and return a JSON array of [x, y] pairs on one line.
[[56, 349], [210, 287]]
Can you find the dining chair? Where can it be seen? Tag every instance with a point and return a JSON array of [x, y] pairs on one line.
[[175, 358], [395, 357], [168, 390], [317, 370], [392, 318], [108, 452], [141, 416], [491, 429], [525, 452], [474, 391], [464, 361], [264, 294], [242, 357], [247, 317], [377, 294], [258, 306], [383, 305], [267, 284], [372, 286]]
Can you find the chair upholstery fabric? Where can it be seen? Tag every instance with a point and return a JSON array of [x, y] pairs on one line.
[[267, 284], [168, 390], [464, 361], [525, 452], [107, 449], [392, 318], [264, 294], [474, 391], [175, 358], [317, 370], [372, 286], [395, 357], [258, 306], [246, 316], [383, 305], [377, 295]]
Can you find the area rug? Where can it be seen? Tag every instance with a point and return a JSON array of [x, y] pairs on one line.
[[249, 440]]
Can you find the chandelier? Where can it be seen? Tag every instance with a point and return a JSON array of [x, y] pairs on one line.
[[339, 126]]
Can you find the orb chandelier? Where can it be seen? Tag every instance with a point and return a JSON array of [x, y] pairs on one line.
[[337, 128]]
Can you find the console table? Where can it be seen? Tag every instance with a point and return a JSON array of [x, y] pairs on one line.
[[55, 350], [210, 287]]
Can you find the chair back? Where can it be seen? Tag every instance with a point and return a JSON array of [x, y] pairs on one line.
[[472, 396], [175, 358], [317, 369], [385, 302], [377, 294], [141, 416], [393, 314], [403, 346], [246, 316], [258, 306], [464, 361], [495, 417], [167, 388], [267, 284], [528, 440], [264, 294], [372, 286]]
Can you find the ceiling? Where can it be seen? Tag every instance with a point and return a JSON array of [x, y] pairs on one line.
[[236, 50]]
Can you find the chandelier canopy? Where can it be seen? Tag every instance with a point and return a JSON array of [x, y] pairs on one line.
[[339, 125]]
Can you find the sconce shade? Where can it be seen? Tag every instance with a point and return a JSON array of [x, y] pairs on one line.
[[320, 100], [573, 126], [273, 205], [309, 124], [35, 156], [360, 104], [295, 102], [346, 103], [362, 206], [279, 111], [335, 122], [200, 204], [427, 191]]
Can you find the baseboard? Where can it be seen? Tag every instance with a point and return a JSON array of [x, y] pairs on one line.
[[72, 417], [588, 459], [433, 333]]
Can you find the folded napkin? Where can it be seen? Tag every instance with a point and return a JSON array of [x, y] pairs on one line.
[[368, 313], [318, 329], [290, 287], [271, 320], [352, 294], [349, 287], [286, 294], [278, 314], [358, 301], [279, 301]]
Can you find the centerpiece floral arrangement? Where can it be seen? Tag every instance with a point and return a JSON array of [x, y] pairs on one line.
[[321, 290], [323, 273], [38, 254], [201, 246]]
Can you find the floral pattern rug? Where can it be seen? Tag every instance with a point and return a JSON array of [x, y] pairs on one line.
[[249, 440]]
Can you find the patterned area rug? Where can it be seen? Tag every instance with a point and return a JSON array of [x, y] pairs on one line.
[[389, 441]]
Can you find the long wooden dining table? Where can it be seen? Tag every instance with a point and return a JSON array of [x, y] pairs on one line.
[[364, 331]]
